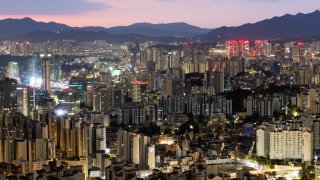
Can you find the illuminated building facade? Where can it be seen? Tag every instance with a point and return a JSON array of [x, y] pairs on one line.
[[139, 91], [13, 71], [238, 48]]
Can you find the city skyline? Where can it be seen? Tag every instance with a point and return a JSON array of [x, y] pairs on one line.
[[206, 14], [166, 100]]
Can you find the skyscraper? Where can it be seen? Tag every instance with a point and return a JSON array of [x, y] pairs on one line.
[[139, 91], [46, 72], [135, 148], [262, 48], [124, 145], [238, 48], [279, 51], [23, 101], [135, 53], [13, 71], [233, 48], [8, 94], [298, 51], [243, 48], [217, 79]]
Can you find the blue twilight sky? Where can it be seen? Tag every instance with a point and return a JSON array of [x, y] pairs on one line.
[[204, 13]]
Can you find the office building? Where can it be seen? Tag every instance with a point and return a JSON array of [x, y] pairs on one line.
[[8, 94]]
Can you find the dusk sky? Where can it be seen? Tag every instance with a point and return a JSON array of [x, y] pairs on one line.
[[204, 13]]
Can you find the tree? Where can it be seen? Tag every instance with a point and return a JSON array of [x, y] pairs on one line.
[[188, 126], [310, 171], [150, 130]]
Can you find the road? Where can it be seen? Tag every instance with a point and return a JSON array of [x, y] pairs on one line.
[[289, 173]]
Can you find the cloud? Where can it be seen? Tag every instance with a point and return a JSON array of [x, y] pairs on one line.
[[230, 1], [49, 7], [268, 1], [247, 1]]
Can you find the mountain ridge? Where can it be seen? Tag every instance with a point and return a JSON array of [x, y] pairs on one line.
[[278, 27], [13, 27], [287, 26]]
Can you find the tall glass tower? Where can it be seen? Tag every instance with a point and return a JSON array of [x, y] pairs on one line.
[[46, 72]]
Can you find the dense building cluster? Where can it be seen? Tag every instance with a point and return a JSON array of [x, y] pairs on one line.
[[234, 109]]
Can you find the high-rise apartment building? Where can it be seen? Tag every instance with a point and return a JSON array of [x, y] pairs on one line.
[[285, 143], [139, 91], [237, 48], [135, 148], [216, 79]]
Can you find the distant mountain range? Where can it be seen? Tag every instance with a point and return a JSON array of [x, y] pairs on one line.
[[179, 29], [284, 27], [14, 27], [17, 27]]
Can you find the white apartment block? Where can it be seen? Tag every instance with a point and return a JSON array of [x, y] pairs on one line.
[[285, 143]]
